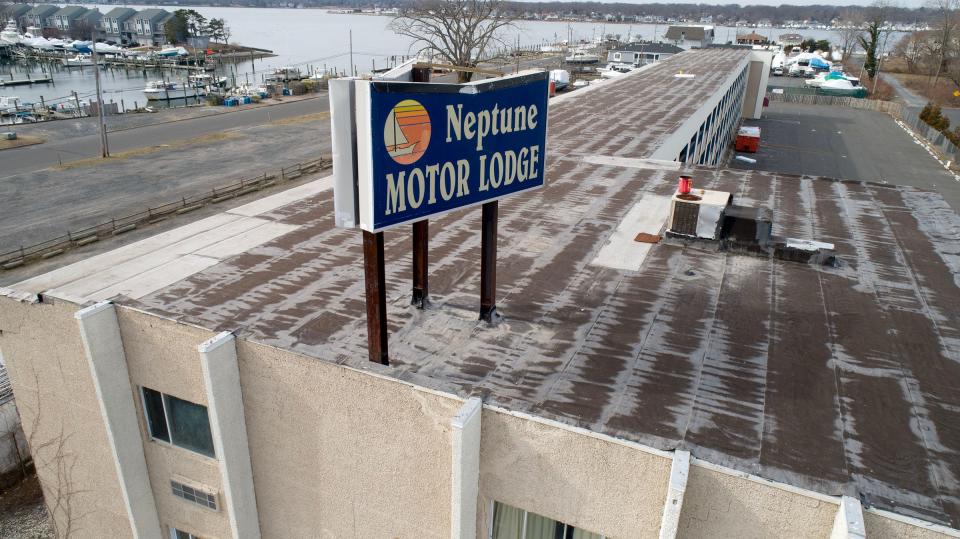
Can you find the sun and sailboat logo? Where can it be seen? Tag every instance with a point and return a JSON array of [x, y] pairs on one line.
[[406, 133]]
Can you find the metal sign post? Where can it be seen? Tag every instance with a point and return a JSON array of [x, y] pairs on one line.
[[421, 233], [488, 262], [375, 284]]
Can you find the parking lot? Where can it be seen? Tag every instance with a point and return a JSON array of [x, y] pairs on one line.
[[846, 143]]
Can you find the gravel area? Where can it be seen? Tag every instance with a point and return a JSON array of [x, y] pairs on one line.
[[22, 512]]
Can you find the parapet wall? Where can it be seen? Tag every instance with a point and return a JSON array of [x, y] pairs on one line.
[[342, 452]]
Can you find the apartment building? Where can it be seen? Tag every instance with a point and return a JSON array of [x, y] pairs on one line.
[[695, 36], [213, 381]]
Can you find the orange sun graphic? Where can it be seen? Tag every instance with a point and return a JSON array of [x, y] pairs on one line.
[[406, 133]]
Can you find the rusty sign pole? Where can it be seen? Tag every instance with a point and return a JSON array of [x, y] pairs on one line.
[[421, 231], [488, 263], [375, 283]]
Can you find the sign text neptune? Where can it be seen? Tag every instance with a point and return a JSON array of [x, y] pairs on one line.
[[444, 181]]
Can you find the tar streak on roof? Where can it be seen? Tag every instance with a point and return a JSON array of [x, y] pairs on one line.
[[843, 380]]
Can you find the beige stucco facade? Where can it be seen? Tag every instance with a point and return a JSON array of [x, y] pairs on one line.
[[341, 452]]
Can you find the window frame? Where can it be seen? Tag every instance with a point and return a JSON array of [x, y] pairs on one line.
[[523, 531], [166, 421], [174, 531]]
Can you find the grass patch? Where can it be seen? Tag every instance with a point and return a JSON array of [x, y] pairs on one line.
[[20, 141], [147, 150]]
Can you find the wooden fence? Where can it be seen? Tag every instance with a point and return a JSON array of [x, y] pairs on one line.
[[120, 225]]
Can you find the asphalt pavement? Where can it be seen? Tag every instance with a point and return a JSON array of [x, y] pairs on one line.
[[163, 163], [63, 150], [844, 143]]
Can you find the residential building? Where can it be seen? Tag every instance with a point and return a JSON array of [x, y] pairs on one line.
[[790, 40], [66, 18], [752, 38], [148, 26], [690, 36], [40, 16], [17, 12], [213, 380], [642, 53], [114, 25]]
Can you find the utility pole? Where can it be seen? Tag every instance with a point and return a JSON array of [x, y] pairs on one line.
[[104, 146], [353, 72], [518, 54]]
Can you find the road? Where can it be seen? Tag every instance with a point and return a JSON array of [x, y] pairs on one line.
[[844, 143], [907, 96], [68, 149], [163, 163]]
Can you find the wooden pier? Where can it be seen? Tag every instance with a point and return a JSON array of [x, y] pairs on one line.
[[21, 82]]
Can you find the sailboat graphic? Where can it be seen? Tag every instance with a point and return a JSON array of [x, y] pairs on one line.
[[406, 133]]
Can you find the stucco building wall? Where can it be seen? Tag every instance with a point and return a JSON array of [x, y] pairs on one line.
[[589, 482], [61, 418], [341, 452]]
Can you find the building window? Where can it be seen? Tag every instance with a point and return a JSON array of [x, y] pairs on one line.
[[512, 523], [197, 496], [616, 56], [178, 422], [178, 534]]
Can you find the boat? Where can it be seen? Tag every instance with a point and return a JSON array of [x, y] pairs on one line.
[[163, 90], [582, 58], [206, 80], [842, 87], [169, 52], [285, 74], [11, 33], [9, 104], [614, 70], [80, 60], [560, 79]]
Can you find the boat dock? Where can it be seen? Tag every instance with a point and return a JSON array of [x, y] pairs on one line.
[[47, 79]]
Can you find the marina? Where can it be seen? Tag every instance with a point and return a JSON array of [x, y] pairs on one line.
[[314, 42]]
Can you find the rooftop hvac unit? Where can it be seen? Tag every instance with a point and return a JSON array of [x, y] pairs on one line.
[[697, 213]]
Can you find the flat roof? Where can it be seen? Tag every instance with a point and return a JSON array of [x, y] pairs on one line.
[[839, 379]]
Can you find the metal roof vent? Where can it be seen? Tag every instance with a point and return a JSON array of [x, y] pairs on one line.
[[697, 213]]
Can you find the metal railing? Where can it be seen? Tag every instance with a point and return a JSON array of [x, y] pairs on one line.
[[120, 225]]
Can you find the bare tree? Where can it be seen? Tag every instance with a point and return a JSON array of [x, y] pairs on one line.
[[459, 31], [945, 30], [848, 33]]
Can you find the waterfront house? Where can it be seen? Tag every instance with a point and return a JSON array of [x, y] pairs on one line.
[[63, 18], [85, 25], [148, 26], [114, 25], [690, 36], [40, 16], [15, 12], [752, 38], [642, 53]]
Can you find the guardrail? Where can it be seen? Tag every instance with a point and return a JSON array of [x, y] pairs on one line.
[[894, 109], [120, 225]]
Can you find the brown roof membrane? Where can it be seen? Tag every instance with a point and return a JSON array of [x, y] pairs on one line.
[[838, 379]]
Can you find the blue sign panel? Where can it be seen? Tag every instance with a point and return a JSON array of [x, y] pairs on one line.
[[426, 149]]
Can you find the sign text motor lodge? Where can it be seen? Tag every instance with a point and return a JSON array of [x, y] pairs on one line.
[[425, 149]]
